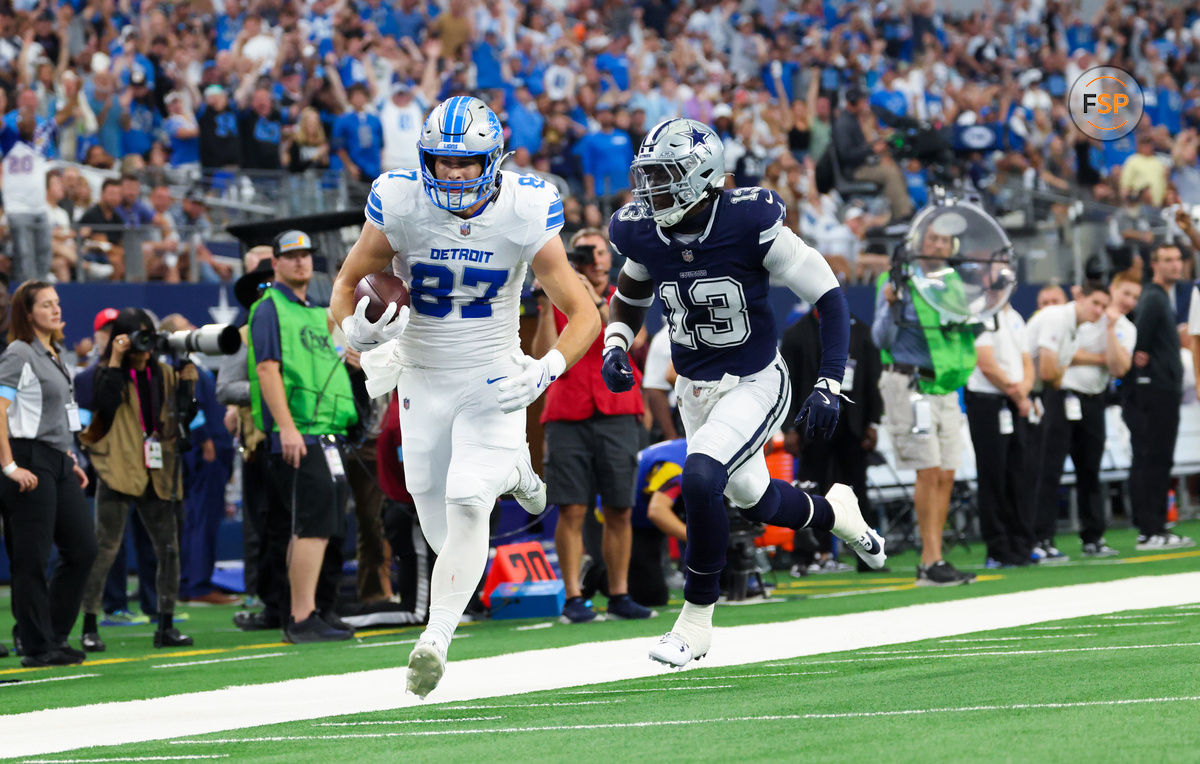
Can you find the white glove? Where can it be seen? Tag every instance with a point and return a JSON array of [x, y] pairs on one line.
[[362, 334], [518, 392]]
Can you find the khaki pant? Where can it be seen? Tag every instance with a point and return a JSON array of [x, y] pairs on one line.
[[888, 175], [941, 446]]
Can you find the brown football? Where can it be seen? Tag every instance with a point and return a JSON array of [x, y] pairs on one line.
[[383, 289]]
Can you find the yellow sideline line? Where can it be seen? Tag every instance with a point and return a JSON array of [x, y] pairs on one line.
[[1157, 557], [213, 651]]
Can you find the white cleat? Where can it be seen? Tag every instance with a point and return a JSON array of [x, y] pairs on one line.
[[526, 487], [426, 664], [850, 527], [674, 649]]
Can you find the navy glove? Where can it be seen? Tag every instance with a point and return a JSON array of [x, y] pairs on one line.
[[821, 410], [616, 370]]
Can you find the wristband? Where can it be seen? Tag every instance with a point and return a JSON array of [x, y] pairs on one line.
[[555, 363], [831, 385], [618, 334], [9, 469]]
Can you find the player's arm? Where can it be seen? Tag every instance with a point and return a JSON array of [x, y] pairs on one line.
[[566, 293], [370, 254], [659, 512], [801, 268], [627, 310]]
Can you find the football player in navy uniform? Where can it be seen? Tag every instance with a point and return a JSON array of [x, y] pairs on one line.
[[713, 255]]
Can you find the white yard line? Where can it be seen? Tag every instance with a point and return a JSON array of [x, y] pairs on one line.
[[742, 676], [1102, 625], [1144, 617], [220, 660], [692, 722], [909, 657], [1021, 639], [64, 729], [21, 682], [411, 721]]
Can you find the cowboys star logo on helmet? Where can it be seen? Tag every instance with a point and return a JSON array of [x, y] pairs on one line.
[[678, 162]]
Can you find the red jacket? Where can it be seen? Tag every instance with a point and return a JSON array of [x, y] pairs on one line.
[[580, 392], [388, 462]]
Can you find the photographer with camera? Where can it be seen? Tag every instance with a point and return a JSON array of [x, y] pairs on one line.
[[592, 439], [133, 443]]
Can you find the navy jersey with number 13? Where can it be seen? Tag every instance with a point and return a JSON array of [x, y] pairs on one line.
[[714, 289]]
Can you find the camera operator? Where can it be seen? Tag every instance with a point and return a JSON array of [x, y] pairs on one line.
[[592, 438], [925, 361], [41, 493], [133, 442], [863, 153]]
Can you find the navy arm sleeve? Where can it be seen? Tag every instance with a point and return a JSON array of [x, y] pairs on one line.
[[835, 334]]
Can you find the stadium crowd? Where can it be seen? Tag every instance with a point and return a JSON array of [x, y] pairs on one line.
[[124, 116]]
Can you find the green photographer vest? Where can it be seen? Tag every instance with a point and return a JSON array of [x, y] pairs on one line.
[[952, 348], [315, 380]]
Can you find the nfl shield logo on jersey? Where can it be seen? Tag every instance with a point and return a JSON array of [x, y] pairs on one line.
[[465, 229], [688, 256], [406, 404]]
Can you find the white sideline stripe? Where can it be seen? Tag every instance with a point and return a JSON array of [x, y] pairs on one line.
[[655, 689], [1022, 639], [220, 660], [48, 679], [193, 757], [411, 721], [742, 676], [1143, 617], [1187, 607], [63, 729], [1103, 625], [908, 657], [535, 626], [689, 722]]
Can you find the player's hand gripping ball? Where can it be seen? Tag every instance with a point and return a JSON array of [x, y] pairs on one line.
[[380, 313]]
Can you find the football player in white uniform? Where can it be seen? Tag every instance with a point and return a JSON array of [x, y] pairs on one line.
[[461, 233]]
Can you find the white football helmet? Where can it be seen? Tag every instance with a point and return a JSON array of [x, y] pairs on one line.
[[679, 161], [461, 126]]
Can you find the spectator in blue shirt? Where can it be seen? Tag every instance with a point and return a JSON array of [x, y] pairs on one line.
[[614, 63], [183, 135], [141, 119], [486, 57], [358, 137], [381, 15], [1169, 113], [410, 21], [606, 156], [132, 210], [525, 122], [888, 96], [102, 99]]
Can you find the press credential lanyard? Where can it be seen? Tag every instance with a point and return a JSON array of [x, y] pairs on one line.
[[151, 447]]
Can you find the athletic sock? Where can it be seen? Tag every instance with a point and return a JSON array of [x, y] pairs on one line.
[[704, 480], [786, 506], [457, 571], [89, 623], [694, 622]]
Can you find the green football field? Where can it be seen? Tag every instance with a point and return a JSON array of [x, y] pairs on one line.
[[1118, 685]]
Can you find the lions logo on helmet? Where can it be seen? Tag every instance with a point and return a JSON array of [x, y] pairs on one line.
[[679, 161], [461, 127]]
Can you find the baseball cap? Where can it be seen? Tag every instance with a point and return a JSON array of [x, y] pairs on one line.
[[137, 77], [103, 318], [291, 241], [401, 86], [853, 212], [214, 90], [722, 110]]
